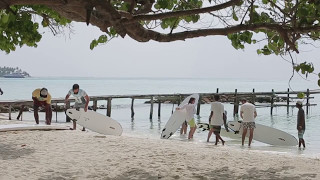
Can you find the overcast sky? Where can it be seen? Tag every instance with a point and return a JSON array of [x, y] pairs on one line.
[[210, 57]]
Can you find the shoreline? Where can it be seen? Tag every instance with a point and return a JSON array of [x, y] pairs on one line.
[[88, 155]]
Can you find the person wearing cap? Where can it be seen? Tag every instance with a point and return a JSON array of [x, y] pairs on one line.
[[301, 124], [42, 98], [81, 100], [248, 113]]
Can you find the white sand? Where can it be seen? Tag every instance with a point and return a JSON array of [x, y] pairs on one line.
[[87, 155]]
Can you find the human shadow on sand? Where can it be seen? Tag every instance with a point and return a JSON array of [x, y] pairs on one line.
[[14, 151]]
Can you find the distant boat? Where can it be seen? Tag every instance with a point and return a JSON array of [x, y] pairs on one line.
[[14, 75]]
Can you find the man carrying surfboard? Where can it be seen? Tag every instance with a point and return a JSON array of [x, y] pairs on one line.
[[42, 98], [248, 113], [216, 119], [81, 100], [301, 124], [191, 110]]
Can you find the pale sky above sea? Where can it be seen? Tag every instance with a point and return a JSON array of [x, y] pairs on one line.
[[208, 57]]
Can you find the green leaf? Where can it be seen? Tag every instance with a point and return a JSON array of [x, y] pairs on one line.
[[319, 82], [319, 75], [234, 16], [265, 1], [5, 18]]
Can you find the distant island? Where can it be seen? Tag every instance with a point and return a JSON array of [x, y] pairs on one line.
[[10, 72]]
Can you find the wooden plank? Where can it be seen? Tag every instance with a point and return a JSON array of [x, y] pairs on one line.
[[236, 103], [10, 112], [95, 104], [132, 109], [308, 94], [151, 107], [288, 101], [109, 106], [199, 104], [272, 102]]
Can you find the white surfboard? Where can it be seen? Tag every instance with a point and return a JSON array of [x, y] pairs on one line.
[[28, 127], [95, 122], [177, 118], [266, 134]]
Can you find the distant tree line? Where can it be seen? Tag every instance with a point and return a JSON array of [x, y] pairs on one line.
[[9, 70]]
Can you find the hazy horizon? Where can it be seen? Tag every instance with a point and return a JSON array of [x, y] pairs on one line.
[[208, 57]]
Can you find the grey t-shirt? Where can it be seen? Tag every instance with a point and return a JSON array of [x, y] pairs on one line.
[[79, 97]]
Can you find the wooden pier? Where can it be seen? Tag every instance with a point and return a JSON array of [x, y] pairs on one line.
[[227, 97]]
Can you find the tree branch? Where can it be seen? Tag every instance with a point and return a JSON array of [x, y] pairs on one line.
[[149, 17]]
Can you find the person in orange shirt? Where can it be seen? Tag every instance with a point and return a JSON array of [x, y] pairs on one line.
[[42, 98]]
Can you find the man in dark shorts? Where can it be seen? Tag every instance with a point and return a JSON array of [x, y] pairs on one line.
[[301, 124], [217, 119], [42, 98]]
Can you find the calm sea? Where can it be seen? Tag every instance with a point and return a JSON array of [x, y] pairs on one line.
[[142, 126]]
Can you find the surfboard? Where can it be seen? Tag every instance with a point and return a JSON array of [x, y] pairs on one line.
[[95, 122], [266, 134], [177, 118], [28, 127]]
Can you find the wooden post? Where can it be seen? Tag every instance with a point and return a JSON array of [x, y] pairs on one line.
[[20, 112], [132, 110], [109, 107], [67, 107], [159, 107], [272, 101], [151, 108], [95, 104], [236, 103], [56, 112], [199, 104], [253, 99], [288, 101], [9, 112], [308, 94], [179, 100]]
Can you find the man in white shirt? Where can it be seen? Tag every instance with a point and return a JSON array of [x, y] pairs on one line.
[[248, 113], [81, 100], [217, 119]]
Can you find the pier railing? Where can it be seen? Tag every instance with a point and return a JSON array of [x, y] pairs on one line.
[[229, 97]]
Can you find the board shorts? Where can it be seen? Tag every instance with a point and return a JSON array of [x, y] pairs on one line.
[[192, 123], [249, 125], [216, 129], [79, 105], [300, 134]]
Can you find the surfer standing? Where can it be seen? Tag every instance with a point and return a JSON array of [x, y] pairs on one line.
[[216, 119], [191, 110], [42, 98], [301, 124], [81, 100], [248, 113]]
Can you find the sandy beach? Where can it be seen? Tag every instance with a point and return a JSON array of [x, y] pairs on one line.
[[87, 155]]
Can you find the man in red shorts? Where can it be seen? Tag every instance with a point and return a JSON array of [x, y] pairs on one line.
[[41, 98]]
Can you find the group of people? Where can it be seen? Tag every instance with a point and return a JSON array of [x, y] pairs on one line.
[[42, 98], [218, 117]]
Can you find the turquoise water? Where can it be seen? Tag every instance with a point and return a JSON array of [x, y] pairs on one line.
[[141, 126]]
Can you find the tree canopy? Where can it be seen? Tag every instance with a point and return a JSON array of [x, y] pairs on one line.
[[281, 26]]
